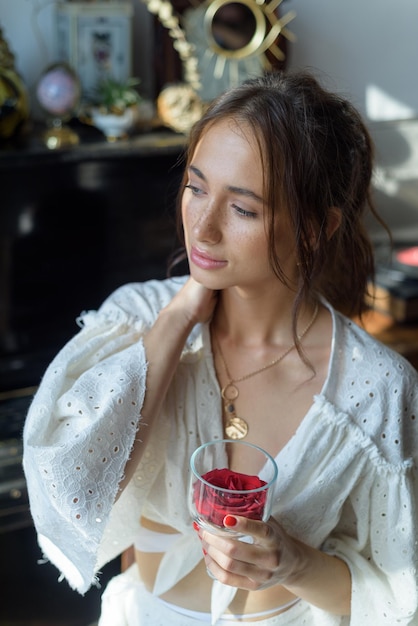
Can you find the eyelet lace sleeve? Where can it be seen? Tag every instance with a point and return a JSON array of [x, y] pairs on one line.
[[77, 438], [82, 424]]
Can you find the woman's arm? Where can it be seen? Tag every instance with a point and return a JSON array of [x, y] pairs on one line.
[[276, 558], [163, 345]]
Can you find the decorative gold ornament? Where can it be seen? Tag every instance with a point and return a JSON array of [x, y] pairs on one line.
[[14, 100], [267, 27], [179, 107], [234, 40], [163, 9], [209, 67]]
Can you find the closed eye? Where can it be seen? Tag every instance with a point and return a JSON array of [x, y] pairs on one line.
[[243, 212]]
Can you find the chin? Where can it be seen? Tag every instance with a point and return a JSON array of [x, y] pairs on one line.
[[209, 279]]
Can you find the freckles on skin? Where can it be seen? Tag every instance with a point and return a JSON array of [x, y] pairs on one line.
[[224, 214], [224, 218]]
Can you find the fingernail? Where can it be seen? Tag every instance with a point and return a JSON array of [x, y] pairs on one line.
[[229, 520], [196, 526], [205, 551]]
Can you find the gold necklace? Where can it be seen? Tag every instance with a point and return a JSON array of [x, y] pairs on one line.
[[236, 427]]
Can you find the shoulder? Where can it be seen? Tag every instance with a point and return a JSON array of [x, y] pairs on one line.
[[137, 303], [360, 352], [154, 294], [377, 387]]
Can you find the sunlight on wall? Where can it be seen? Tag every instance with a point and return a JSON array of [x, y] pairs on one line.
[[382, 106], [395, 181]]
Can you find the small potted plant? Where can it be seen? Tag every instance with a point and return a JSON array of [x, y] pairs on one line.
[[115, 107]]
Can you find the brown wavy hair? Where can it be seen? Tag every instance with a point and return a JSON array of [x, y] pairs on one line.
[[316, 153]]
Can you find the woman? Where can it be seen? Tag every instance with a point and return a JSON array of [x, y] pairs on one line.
[[275, 189]]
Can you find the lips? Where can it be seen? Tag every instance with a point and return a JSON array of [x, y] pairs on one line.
[[205, 261]]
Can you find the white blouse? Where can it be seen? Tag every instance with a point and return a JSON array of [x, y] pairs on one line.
[[347, 479]]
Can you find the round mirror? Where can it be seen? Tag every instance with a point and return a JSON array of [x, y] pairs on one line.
[[234, 29], [233, 26]]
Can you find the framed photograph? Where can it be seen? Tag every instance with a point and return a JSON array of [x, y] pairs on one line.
[[96, 40]]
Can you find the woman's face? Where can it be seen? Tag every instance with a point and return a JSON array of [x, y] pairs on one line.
[[223, 212]]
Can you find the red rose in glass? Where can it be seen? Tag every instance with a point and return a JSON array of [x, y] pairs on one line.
[[213, 504]]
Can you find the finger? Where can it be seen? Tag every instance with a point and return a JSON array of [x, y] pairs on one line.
[[234, 546], [238, 558], [258, 530], [233, 572], [239, 547]]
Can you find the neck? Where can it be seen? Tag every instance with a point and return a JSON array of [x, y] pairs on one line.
[[254, 321]]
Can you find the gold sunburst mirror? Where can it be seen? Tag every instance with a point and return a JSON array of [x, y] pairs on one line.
[[220, 43], [234, 40]]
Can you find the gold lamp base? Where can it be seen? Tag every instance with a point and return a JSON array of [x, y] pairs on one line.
[[60, 136]]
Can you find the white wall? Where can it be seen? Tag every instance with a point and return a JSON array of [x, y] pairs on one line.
[[28, 29], [367, 48]]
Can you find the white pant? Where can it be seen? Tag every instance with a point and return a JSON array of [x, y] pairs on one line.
[[126, 602]]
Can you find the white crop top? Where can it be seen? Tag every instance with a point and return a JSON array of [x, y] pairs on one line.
[[148, 540]]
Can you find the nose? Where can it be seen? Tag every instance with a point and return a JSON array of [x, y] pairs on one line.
[[206, 227]]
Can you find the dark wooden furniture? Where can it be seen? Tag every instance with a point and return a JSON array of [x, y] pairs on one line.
[[74, 224]]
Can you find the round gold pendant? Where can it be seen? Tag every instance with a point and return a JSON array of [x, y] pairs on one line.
[[236, 428]]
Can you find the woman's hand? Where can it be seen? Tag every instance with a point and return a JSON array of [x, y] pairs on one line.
[[272, 558], [276, 558], [164, 343], [196, 301]]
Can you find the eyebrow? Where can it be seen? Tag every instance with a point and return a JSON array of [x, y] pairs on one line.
[[239, 190]]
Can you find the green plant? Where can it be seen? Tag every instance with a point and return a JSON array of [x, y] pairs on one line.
[[115, 97]]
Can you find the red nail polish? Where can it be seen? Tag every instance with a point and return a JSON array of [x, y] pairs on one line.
[[205, 551], [196, 526], [229, 520]]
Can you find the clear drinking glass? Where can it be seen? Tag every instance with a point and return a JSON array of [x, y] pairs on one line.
[[216, 491]]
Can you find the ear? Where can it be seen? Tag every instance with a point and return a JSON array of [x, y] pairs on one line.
[[334, 221]]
